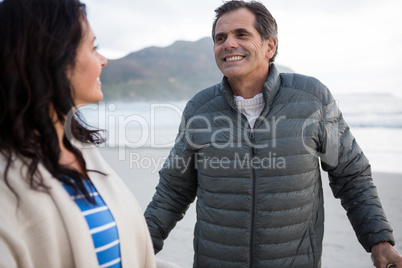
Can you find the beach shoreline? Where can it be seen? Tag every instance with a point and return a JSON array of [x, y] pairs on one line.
[[139, 170]]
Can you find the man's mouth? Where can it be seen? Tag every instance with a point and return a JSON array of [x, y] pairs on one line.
[[234, 58]]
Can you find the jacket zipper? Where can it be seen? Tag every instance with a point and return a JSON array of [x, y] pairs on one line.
[[253, 209]]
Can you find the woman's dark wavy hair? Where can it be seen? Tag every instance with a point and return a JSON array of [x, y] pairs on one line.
[[265, 23], [39, 41]]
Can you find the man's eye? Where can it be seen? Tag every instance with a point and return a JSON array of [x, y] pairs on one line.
[[219, 39]]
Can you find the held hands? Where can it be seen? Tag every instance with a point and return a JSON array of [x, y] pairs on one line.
[[384, 255]]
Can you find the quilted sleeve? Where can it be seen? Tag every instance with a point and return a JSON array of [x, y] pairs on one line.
[[176, 189], [351, 180]]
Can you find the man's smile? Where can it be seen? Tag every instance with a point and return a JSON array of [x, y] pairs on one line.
[[234, 58]]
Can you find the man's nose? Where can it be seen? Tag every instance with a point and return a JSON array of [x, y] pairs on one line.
[[230, 43]]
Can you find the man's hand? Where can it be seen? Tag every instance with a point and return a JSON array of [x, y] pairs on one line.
[[384, 254]]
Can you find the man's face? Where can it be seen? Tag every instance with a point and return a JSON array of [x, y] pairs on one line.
[[240, 52]]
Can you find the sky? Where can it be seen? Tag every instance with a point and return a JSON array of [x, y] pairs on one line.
[[350, 46]]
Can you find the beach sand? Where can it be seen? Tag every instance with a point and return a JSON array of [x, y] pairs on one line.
[[139, 169]]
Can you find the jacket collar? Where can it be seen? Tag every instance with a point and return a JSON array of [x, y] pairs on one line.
[[270, 89]]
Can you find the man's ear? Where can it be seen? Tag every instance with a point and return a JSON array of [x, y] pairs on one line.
[[271, 47]]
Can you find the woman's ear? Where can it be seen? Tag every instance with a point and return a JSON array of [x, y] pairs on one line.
[[69, 71]]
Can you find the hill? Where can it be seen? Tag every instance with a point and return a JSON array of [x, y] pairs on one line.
[[175, 72]]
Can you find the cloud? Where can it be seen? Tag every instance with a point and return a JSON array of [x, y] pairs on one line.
[[127, 26]]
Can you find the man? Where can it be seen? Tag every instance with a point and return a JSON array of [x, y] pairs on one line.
[[250, 148]]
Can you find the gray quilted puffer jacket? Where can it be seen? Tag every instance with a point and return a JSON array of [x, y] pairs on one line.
[[259, 192]]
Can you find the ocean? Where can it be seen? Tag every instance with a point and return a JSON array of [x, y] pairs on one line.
[[375, 121]]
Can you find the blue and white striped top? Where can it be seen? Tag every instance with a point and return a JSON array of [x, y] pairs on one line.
[[101, 226]]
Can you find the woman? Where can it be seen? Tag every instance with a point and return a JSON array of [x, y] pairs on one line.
[[61, 204]]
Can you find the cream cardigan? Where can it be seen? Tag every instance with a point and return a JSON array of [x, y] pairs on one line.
[[47, 230]]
